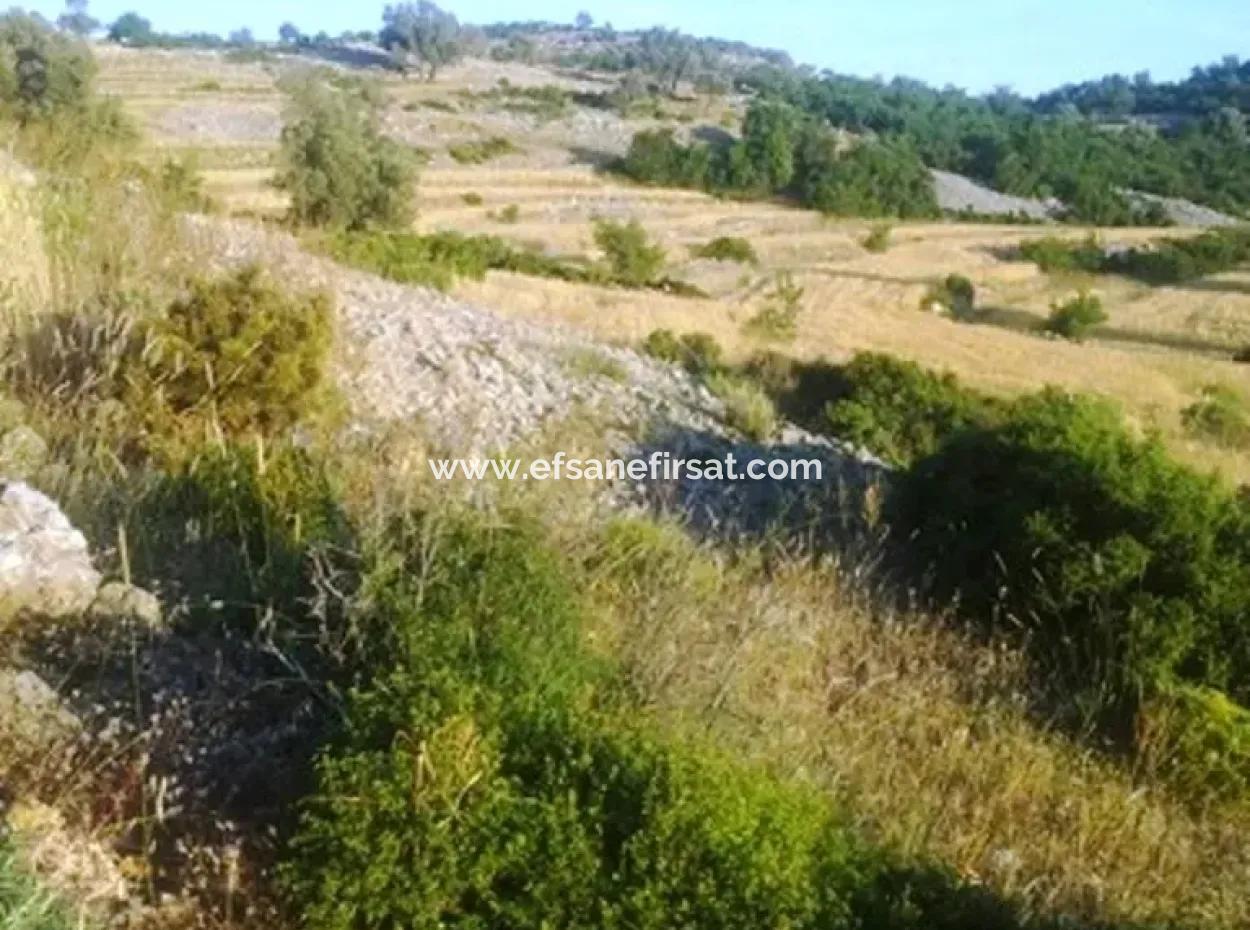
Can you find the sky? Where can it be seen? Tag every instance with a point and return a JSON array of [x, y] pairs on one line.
[[1030, 45]]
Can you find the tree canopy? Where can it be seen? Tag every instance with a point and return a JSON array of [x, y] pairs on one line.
[[422, 30]]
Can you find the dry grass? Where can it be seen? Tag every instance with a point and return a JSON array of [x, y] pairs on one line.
[[924, 735], [27, 276]]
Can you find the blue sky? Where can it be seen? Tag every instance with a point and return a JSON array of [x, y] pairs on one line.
[[1029, 44]]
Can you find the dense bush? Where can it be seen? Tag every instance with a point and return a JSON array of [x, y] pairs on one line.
[[1175, 261], [1197, 739], [1169, 261], [783, 153], [236, 352], [634, 260], [699, 353], [489, 779], [1050, 253], [1013, 147], [878, 238], [727, 249], [1073, 319], [481, 151], [337, 166], [1124, 570], [42, 71], [1219, 416], [884, 178], [955, 295], [900, 411]]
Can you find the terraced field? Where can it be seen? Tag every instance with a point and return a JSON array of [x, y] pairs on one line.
[[1157, 352]]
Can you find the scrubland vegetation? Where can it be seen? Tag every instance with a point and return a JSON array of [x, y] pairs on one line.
[[1013, 697]]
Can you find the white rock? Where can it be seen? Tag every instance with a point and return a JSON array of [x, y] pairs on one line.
[[45, 567]]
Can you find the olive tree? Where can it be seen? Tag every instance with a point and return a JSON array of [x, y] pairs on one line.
[[423, 31]]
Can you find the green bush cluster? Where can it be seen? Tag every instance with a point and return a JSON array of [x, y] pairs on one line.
[[878, 238], [900, 411], [1050, 253], [337, 166], [955, 294], [1169, 261], [1017, 146], [481, 151], [727, 249], [635, 261], [440, 259], [1073, 319], [1123, 571], [1197, 739], [1219, 416], [784, 152], [698, 353], [1175, 261], [236, 352], [43, 71], [488, 777]]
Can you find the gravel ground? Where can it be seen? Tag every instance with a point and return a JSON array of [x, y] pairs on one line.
[[956, 193], [478, 384]]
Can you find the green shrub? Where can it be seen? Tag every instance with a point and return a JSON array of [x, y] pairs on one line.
[[900, 411], [747, 408], [1073, 319], [1219, 416], [1198, 740], [337, 166], [237, 352], [955, 294], [633, 259], [698, 353], [1123, 569], [508, 215], [1051, 253], [883, 178], [727, 249], [1175, 261], [801, 389], [439, 259], [1168, 261], [24, 905], [472, 198], [878, 238], [481, 151], [489, 775], [778, 319], [43, 72]]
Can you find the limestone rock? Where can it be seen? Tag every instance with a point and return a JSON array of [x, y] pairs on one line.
[[45, 568], [31, 712]]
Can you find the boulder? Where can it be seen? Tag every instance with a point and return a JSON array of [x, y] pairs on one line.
[[45, 568], [31, 713]]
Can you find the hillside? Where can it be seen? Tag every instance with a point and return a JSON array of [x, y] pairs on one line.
[[260, 668]]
